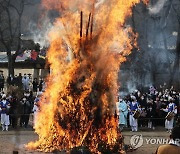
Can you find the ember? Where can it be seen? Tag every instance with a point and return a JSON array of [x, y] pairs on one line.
[[78, 106]]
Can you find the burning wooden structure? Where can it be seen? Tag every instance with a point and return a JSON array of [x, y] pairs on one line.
[[78, 106]]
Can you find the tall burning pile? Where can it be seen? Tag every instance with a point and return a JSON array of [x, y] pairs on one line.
[[87, 45]]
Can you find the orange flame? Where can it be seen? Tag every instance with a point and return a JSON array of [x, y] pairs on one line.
[[78, 105]]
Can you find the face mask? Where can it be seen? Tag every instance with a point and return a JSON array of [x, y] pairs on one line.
[[27, 95]]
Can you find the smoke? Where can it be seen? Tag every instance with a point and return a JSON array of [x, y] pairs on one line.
[[153, 64], [50, 10], [154, 9], [99, 2], [70, 5], [40, 35], [131, 86], [36, 23]]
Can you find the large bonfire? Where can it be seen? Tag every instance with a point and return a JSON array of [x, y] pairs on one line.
[[87, 45]]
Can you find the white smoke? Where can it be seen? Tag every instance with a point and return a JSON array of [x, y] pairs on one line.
[[131, 87], [154, 9], [40, 33], [99, 2]]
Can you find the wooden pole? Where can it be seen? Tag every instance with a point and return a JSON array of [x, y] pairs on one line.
[[91, 30], [92, 20], [87, 28], [81, 24]]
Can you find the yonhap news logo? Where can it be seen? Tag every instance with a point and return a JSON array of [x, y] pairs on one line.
[[137, 141]]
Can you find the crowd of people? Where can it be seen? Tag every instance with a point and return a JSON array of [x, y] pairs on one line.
[[149, 109], [26, 82], [15, 111], [156, 107]]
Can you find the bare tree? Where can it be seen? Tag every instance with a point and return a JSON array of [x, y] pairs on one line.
[[176, 68], [11, 12], [150, 45], [172, 5]]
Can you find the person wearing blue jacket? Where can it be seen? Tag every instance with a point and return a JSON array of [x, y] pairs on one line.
[[133, 107], [4, 108], [122, 112]]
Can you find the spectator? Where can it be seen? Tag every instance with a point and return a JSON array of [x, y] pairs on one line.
[[1, 82], [41, 82], [152, 90], [31, 99], [13, 110], [19, 78], [151, 112], [143, 103], [10, 80], [36, 106], [25, 81], [35, 85], [15, 80], [4, 107], [26, 110], [122, 112]]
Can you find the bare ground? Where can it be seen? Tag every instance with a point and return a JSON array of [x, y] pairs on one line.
[[15, 140]]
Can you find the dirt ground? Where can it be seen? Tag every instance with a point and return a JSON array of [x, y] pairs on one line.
[[15, 140], [150, 140]]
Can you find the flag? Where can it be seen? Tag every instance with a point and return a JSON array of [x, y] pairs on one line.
[[42, 54], [43, 57], [34, 55], [20, 53], [21, 56]]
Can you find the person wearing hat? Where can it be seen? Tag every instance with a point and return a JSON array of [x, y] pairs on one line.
[[171, 108], [4, 107], [174, 144], [133, 107]]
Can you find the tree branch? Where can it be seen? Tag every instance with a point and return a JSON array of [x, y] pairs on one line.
[[178, 17]]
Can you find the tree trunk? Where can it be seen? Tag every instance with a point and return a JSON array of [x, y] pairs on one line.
[[176, 68], [11, 61], [167, 58], [153, 69]]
